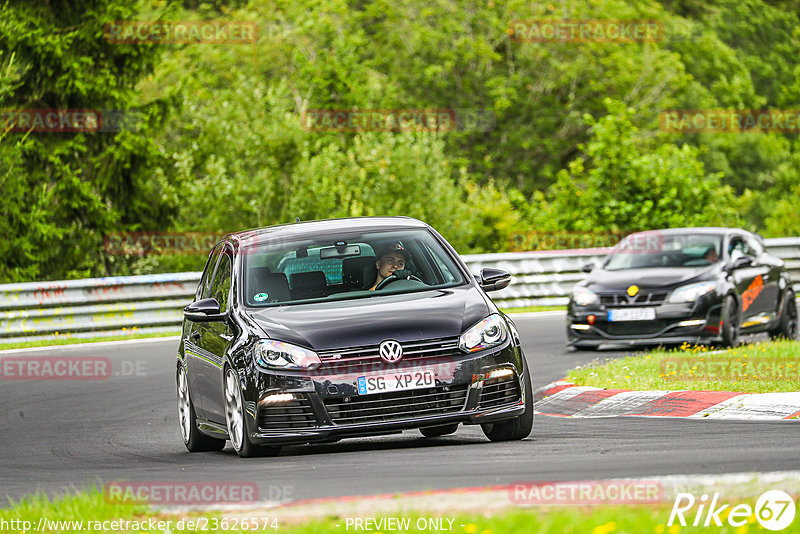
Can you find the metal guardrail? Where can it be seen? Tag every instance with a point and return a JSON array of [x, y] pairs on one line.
[[153, 303]]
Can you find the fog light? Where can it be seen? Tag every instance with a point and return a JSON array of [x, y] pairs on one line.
[[692, 322], [591, 319], [277, 398], [499, 373]]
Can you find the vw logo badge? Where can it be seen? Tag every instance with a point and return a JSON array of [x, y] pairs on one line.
[[391, 351]]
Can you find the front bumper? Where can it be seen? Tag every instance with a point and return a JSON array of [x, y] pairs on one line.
[[673, 323], [326, 406]]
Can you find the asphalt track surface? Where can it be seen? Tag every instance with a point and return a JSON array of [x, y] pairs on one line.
[[58, 435]]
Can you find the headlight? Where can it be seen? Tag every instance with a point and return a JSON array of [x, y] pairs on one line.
[[490, 332], [692, 292], [279, 355], [583, 296]]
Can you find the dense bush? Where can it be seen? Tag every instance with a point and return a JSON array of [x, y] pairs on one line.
[[574, 141]]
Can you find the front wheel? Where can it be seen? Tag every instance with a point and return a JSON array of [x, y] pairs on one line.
[[730, 322], [192, 438], [519, 427], [237, 423], [788, 326]]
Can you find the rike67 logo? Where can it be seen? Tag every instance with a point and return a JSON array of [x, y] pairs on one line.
[[774, 510]]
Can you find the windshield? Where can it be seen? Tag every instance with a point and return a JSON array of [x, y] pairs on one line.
[[653, 249], [346, 265]]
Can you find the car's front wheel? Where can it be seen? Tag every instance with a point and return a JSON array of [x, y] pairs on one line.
[[787, 327], [192, 438], [237, 422], [519, 427], [730, 322]]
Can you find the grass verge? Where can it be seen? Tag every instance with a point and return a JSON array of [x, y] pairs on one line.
[[96, 515], [66, 339], [772, 366]]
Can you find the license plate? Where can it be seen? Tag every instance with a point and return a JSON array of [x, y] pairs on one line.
[[632, 314], [400, 381]]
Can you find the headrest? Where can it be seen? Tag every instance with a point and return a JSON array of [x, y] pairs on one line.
[[359, 273], [308, 285]]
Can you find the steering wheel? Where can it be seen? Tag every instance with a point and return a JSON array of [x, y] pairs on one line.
[[394, 277]]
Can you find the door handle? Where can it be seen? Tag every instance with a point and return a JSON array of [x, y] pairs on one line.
[[194, 336]]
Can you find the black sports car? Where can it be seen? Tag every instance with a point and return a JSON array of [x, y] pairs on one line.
[[316, 331], [701, 285]]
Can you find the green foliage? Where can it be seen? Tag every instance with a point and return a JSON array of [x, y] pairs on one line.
[[63, 191], [221, 145], [625, 183]]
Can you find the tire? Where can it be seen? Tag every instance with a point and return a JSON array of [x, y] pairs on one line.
[[236, 421], [436, 431], [194, 440], [787, 327], [518, 428], [730, 322]]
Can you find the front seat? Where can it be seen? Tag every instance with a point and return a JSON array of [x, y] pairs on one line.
[[359, 273], [308, 285], [274, 285]]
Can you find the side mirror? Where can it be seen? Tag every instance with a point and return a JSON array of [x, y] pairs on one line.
[[589, 267], [745, 261], [494, 279], [204, 311]]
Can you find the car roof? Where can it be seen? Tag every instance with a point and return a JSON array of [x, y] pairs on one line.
[[318, 227], [717, 230]]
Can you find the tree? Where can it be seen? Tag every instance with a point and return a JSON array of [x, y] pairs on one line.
[[624, 183]]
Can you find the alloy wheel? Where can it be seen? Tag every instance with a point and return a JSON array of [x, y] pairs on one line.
[[184, 409], [233, 410]]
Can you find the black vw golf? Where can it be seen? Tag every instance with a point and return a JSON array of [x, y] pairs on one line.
[[317, 331], [702, 285]]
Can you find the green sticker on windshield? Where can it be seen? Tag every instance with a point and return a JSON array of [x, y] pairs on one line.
[[260, 297]]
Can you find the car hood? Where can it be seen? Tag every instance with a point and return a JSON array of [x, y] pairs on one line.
[[369, 321], [662, 277]]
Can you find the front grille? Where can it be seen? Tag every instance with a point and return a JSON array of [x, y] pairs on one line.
[[500, 392], [380, 407], [633, 328], [288, 415], [367, 358], [643, 298]]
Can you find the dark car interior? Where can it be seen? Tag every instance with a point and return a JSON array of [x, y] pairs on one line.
[[322, 271]]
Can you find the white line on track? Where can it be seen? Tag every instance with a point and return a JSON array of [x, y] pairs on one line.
[[90, 345]]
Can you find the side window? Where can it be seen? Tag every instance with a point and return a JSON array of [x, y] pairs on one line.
[[737, 248], [221, 285], [444, 272], [205, 281]]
